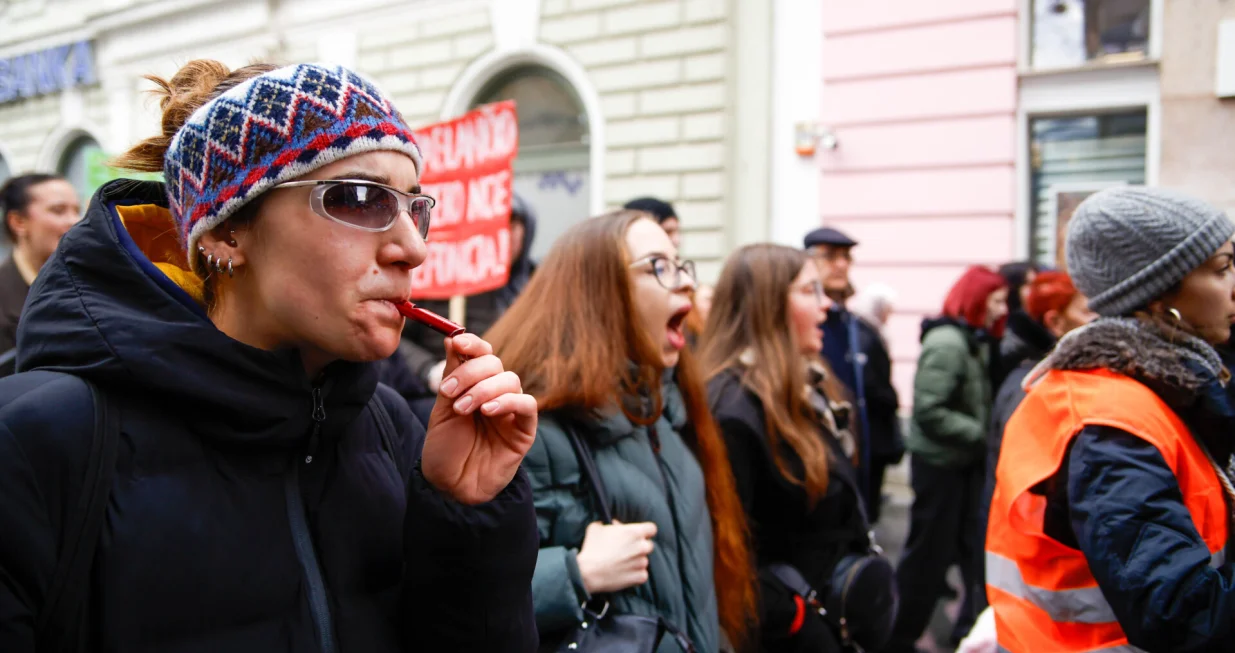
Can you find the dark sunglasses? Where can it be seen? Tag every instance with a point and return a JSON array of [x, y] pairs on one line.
[[365, 205]]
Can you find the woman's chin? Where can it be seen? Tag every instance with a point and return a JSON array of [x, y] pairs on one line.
[[375, 345], [670, 358]]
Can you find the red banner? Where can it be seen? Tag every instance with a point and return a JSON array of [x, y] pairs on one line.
[[468, 171]]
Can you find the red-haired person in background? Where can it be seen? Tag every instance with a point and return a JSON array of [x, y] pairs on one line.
[[1052, 308], [947, 435]]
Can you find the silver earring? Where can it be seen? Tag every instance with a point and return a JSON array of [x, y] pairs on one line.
[[209, 262], [218, 265], [1173, 312], [230, 271]]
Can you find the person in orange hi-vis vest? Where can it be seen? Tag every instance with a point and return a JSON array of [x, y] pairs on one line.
[[1110, 517]]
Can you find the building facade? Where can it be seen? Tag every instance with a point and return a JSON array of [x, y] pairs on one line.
[[967, 131], [617, 98], [939, 134]]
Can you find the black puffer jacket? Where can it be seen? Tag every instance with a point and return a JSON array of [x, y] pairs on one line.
[[219, 534]]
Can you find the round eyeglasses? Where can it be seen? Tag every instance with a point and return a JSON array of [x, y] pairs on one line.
[[668, 272]]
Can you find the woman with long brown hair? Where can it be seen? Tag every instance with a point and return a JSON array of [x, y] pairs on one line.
[[786, 428], [597, 337]]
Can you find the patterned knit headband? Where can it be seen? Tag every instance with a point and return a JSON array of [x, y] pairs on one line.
[[270, 129]]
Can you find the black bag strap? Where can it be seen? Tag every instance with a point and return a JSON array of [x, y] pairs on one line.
[[59, 626], [587, 466], [680, 637], [790, 577], [866, 526], [386, 427]]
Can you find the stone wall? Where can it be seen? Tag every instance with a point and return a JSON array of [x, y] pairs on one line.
[[1197, 156]]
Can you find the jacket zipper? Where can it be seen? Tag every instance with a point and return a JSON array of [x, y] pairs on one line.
[[319, 416], [319, 602], [654, 439]]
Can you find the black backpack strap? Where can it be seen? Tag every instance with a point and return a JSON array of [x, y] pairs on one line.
[[60, 623], [587, 467], [386, 427]]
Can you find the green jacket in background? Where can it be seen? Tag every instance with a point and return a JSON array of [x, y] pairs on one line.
[[951, 396], [666, 488]]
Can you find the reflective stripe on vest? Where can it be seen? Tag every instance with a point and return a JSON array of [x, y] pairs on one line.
[[1085, 605], [1124, 648]]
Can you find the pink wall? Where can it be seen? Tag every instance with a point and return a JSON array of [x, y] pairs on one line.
[[922, 98]]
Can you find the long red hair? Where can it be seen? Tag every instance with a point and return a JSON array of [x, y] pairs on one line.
[[571, 338]]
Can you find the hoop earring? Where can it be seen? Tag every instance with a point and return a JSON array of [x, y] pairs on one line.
[[209, 262], [230, 271], [1178, 322], [218, 265]]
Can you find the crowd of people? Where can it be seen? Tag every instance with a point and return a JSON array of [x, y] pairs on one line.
[[218, 433]]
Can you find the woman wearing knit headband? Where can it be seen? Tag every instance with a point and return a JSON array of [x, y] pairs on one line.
[[240, 482], [1110, 521]]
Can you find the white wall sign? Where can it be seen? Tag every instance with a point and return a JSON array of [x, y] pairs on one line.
[[46, 71], [1225, 76]]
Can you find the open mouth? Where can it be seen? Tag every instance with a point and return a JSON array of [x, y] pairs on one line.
[[676, 329]]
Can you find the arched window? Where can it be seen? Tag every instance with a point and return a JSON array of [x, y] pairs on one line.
[[553, 164], [79, 163]]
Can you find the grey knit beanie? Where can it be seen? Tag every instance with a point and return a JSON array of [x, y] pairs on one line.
[[1128, 245]]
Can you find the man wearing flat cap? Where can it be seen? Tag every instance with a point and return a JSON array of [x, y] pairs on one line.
[[856, 353]]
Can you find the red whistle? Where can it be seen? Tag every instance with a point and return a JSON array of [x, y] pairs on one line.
[[430, 319]]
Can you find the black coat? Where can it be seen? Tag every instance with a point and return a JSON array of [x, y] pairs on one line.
[[784, 527], [219, 534], [880, 431], [887, 442], [13, 291]]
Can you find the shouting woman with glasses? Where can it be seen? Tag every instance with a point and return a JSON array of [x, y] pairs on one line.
[[196, 454], [634, 498]]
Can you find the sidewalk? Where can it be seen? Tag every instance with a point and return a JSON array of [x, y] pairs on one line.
[[891, 531]]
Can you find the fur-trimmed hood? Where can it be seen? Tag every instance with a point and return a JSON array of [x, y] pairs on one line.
[[1177, 366]]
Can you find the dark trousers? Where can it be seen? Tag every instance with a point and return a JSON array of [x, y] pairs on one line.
[[943, 529], [874, 491]]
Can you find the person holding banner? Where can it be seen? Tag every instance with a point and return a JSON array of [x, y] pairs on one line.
[[196, 454], [597, 338]]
